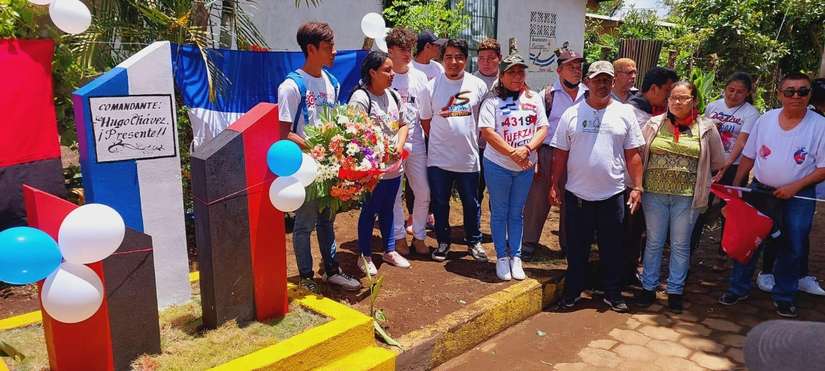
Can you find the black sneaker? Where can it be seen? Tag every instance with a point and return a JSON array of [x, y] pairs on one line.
[[645, 298], [440, 252], [786, 309], [310, 285], [477, 251], [617, 305], [674, 301], [567, 303], [731, 299]]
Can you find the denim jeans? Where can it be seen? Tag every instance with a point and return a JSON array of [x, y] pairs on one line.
[[382, 202], [663, 214], [508, 193], [441, 186], [797, 218], [605, 218], [308, 217]]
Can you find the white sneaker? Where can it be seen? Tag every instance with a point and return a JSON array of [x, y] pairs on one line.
[[344, 281], [810, 285], [765, 282], [369, 269], [515, 268], [503, 269], [396, 259]]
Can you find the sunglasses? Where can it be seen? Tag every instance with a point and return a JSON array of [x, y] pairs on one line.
[[802, 92]]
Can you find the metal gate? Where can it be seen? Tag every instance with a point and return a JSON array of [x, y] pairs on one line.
[[644, 52], [483, 24]]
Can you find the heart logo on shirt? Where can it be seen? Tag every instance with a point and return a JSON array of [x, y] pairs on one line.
[[800, 155], [764, 151]]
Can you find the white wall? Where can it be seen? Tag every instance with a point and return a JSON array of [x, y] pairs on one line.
[[278, 20], [514, 21]]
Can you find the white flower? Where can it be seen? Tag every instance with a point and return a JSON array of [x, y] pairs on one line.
[[342, 119], [352, 149], [365, 165]]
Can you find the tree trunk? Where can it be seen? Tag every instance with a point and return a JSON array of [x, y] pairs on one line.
[[227, 23], [822, 63]]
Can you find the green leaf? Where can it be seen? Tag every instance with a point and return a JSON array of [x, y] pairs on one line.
[[7, 350], [384, 335]]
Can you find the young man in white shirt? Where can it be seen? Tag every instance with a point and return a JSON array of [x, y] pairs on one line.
[[489, 58], [427, 49], [295, 112], [563, 94], [411, 85], [786, 150], [450, 115], [595, 144]]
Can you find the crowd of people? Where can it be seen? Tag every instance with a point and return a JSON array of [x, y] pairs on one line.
[[629, 168]]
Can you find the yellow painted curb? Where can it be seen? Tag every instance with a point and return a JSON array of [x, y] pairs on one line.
[[346, 340], [22, 320], [3, 366], [462, 330]]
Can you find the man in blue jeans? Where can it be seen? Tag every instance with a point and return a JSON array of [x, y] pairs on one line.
[[294, 113], [786, 150], [596, 143], [449, 113]]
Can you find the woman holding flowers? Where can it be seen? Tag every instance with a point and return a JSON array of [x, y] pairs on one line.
[[514, 123], [374, 97]]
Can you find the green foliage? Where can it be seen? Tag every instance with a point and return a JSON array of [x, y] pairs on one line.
[[378, 315], [706, 87], [436, 16], [599, 44]]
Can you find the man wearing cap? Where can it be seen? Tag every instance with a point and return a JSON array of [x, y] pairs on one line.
[[427, 49], [595, 144], [564, 93]]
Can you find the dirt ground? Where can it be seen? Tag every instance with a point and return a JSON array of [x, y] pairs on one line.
[[413, 298]]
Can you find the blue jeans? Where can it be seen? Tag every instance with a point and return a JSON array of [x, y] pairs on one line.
[[508, 194], [308, 217], [663, 214], [584, 219], [441, 186], [381, 201], [797, 218]]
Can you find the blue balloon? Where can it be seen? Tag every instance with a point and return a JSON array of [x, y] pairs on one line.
[[284, 158], [27, 255]]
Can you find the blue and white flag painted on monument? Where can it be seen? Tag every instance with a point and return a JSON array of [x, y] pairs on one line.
[[253, 78], [130, 158]]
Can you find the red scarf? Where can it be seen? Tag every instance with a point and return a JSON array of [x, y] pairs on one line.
[[685, 122]]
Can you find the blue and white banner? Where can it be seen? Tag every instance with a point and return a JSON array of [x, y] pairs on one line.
[[253, 77]]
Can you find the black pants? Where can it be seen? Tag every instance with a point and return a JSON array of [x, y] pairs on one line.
[[633, 241], [584, 218], [703, 219]]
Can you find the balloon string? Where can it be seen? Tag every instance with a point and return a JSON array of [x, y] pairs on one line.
[[231, 195], [132, 252]]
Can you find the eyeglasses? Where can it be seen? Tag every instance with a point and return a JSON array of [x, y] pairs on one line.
[[683, 99], [802, 92]]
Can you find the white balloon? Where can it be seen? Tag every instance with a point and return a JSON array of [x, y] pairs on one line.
[[90, 233], [71, 16], [72, 293], [308, 171], [373, 25], [40, 2], [287, 193], [381, 44]]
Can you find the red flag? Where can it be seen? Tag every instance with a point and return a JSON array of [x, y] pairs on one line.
[[28, 130], [745, 226]]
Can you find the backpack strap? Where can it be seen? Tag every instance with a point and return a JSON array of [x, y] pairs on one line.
[[335, 84], [549, 95], [302, 106]]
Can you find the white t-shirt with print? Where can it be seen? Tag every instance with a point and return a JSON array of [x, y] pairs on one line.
[[783, 157], [596, 141], [319, 92], [561, 102], [431, 70], [384, 112], [411, 86], [732, 121], [453, 107], [515, 121]]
